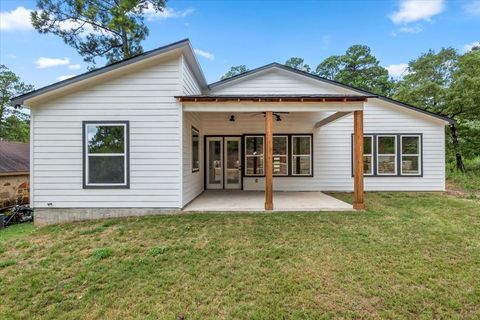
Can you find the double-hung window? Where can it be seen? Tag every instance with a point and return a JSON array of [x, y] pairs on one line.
[[280, 155], [195, 150], [301, 155], [368, 155], [411, 154], [254, 150], [386, 154], [105, 146]]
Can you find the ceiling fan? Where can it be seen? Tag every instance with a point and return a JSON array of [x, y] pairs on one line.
[[276, 114]]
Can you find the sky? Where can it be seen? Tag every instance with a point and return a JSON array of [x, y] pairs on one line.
[[255, 33]]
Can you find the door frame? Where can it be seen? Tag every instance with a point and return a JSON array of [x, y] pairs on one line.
[[205, 164]]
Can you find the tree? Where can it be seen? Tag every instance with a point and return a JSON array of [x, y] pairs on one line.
[[358, 68], [235, 70], [297, 63], [113, 29], [13, 123], [447, 84]]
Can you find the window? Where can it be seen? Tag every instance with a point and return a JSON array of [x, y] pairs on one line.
[[254, 148], [280, 155], [368, 155], [301, 155], [106, 154], [387, 155], [410, 153], [195, 150]]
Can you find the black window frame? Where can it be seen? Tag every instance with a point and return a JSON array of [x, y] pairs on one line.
[[289, 155], [398, 160], [192, 130], [125, 185]]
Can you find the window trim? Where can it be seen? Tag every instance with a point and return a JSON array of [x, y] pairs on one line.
[[289, 158], [419, 155], [126, 154], [192, 129], [395, 154], [302, 155], [398, 157]]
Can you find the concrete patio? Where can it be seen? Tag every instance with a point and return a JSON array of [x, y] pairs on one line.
[[235, 200]]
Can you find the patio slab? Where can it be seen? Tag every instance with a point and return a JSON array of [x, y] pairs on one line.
[[236, 200]]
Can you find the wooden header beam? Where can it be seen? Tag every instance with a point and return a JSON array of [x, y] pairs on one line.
[[334, 117]]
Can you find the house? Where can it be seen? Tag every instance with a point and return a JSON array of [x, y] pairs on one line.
[[14, 172], [149, 135]]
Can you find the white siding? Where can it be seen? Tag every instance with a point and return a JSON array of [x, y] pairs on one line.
[[333, 149], [192, 181], [146, 99], [278, 81]]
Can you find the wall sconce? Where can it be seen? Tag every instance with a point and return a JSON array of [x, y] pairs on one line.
[[278, 117], [232, 118]]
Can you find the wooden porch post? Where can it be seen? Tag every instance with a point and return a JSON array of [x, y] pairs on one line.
[[268, 160], [358, 201]]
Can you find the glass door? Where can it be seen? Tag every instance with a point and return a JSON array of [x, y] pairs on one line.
[[214, 163], [233, 164]]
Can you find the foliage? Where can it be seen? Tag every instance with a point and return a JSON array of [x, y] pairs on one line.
[[235, 70], [408, 256], [468, 181], [113, 29], [359, 68], [14, 124], [297, 63]]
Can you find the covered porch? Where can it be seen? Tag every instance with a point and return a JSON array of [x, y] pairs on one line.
[[237, 200], [249, 126]]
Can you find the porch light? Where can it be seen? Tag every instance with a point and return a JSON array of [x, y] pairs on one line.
[[278, 117], [232, 118]]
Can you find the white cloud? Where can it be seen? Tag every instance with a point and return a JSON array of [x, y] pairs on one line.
[[415, 10], [65, 77], [411, 29], [167, 13], [472, 8], [43, 63], [397, 70], [17, 19], [205, 54], [469, 46], [11, 56], [74, 66]]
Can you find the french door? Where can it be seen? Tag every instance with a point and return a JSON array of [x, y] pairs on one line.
[[223, 163]]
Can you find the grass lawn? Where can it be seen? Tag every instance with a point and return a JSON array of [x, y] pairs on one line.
[[410, 256]]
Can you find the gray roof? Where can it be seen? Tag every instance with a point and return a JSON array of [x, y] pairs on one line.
[[182, 44], [14, 157]]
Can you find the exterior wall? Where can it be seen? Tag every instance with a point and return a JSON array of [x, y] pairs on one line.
[[278, 81], [13, 187], [145, 98], [332, 144], [192, 184]]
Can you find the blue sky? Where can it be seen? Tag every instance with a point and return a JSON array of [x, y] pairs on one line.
[[254, 33]]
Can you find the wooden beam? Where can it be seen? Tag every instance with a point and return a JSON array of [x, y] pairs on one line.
[[331, 118], [358, 196], [269, 160]]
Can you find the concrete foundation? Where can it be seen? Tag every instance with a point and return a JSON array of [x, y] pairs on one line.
[[46, 216]]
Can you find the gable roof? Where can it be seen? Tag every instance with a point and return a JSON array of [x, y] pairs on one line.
[[183, 45], [14, 157], [231, 80]]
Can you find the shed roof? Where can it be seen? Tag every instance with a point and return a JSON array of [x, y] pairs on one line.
[[14, 157]]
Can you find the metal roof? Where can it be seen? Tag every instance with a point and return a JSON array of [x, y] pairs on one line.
[[14, 157]]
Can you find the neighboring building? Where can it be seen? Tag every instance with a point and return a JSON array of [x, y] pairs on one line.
[[14, 172], [148, 134]]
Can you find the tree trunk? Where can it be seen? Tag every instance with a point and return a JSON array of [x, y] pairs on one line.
[[456, 149], [126, 52]]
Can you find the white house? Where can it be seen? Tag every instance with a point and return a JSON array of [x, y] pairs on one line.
[[149, 135]]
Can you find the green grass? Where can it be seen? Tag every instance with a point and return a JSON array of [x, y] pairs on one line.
[[469, 181], [409, 256]]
